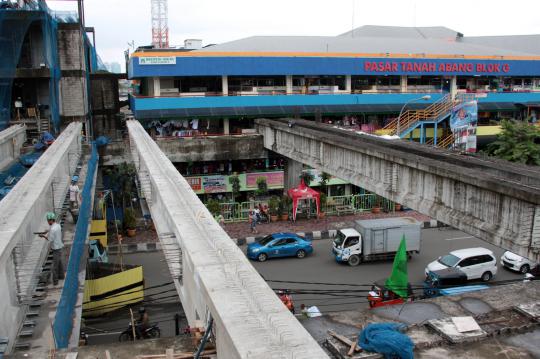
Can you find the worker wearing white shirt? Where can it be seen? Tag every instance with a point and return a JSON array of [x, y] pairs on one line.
[[54, 236], [74, 193]]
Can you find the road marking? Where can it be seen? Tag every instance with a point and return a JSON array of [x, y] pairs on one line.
[[453, 239]]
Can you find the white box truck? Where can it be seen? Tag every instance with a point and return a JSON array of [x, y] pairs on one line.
[[376, 239]]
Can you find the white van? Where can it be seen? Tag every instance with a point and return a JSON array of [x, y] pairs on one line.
[[476, 263]]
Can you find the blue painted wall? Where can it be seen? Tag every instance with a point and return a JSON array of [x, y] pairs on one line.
[[218, 66], [164, 103]]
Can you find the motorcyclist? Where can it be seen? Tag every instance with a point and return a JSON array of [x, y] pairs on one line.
[[142, 323]]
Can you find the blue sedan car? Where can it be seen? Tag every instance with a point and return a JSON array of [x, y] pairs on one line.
[[279, 245]]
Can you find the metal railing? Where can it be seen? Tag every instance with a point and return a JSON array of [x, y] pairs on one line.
[[239, 211]]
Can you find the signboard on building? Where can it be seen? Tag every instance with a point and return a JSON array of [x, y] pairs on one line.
[[396, 66], [463, 122], [157, 60], [273, 179], [464, 114], [214, 184], [195, 183]]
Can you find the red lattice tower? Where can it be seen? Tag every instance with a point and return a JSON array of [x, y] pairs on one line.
[[160, 30]]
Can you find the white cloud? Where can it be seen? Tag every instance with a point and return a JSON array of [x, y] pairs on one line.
[[214, 21]]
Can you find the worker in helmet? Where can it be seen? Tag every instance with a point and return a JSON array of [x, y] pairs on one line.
[[54, 236], [74, 193]]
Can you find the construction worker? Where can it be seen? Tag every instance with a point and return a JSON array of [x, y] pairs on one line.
[[74, 193], [286, 299], [54, 236]]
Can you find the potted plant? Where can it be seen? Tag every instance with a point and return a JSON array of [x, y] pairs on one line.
[[377, 206], [323, 200], [273, 208], [130, 222], [262, 186], [285, 205], [213, 206]]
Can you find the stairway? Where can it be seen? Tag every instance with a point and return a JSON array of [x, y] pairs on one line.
[[434, 113], [444, 142]]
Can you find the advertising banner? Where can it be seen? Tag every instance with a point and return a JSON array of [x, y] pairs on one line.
[[464, 114], [463, 123], [195, 183], [273, 179], [214, 184]]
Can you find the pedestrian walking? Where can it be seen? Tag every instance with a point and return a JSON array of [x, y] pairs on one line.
[[54, 236], [253, 221]]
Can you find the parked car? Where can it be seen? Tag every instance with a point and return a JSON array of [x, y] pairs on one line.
[[279, 245], [517, 263], [476, 263]]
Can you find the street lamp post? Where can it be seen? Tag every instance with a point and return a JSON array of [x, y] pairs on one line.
[[425, 98]]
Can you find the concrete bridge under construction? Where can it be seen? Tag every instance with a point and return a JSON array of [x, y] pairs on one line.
[[491, 199]]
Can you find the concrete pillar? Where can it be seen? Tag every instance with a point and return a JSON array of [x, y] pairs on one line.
[[288, 82], [291, 177], [348, 83], [453, 86], [225, 85], [225, 126], [403, 83], [157, 86]]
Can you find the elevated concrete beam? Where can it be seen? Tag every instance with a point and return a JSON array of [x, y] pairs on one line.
[[22, 212], [494, 200], [218, 148], [216, 279], [11, 141]]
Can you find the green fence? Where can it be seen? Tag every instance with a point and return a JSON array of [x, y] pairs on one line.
[[336, 205]]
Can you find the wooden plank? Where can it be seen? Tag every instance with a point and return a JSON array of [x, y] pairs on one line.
[[341, 338]]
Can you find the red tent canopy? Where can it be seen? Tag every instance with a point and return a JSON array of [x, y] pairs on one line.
[[303, 192]]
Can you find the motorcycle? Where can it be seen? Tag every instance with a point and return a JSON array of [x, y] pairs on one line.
[[152, 331]]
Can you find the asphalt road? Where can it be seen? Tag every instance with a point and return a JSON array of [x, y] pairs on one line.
[[107, 329], [319, 267], [322, 268]]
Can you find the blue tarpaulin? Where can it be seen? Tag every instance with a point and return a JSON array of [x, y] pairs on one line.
[[386, 339]]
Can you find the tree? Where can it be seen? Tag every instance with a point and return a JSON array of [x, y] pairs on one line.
[[213, 206], [325, 177], [234, 181], [121, 179], [307, 176], [518, 142], [262, 186]]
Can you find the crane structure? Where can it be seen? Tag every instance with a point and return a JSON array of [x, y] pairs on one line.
[[160, 29]]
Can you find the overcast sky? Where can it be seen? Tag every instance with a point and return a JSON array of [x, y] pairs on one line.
[[118, 22]]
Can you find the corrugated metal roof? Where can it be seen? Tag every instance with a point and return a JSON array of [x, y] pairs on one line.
[[433, 32], [523, 43], [387, 39]]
